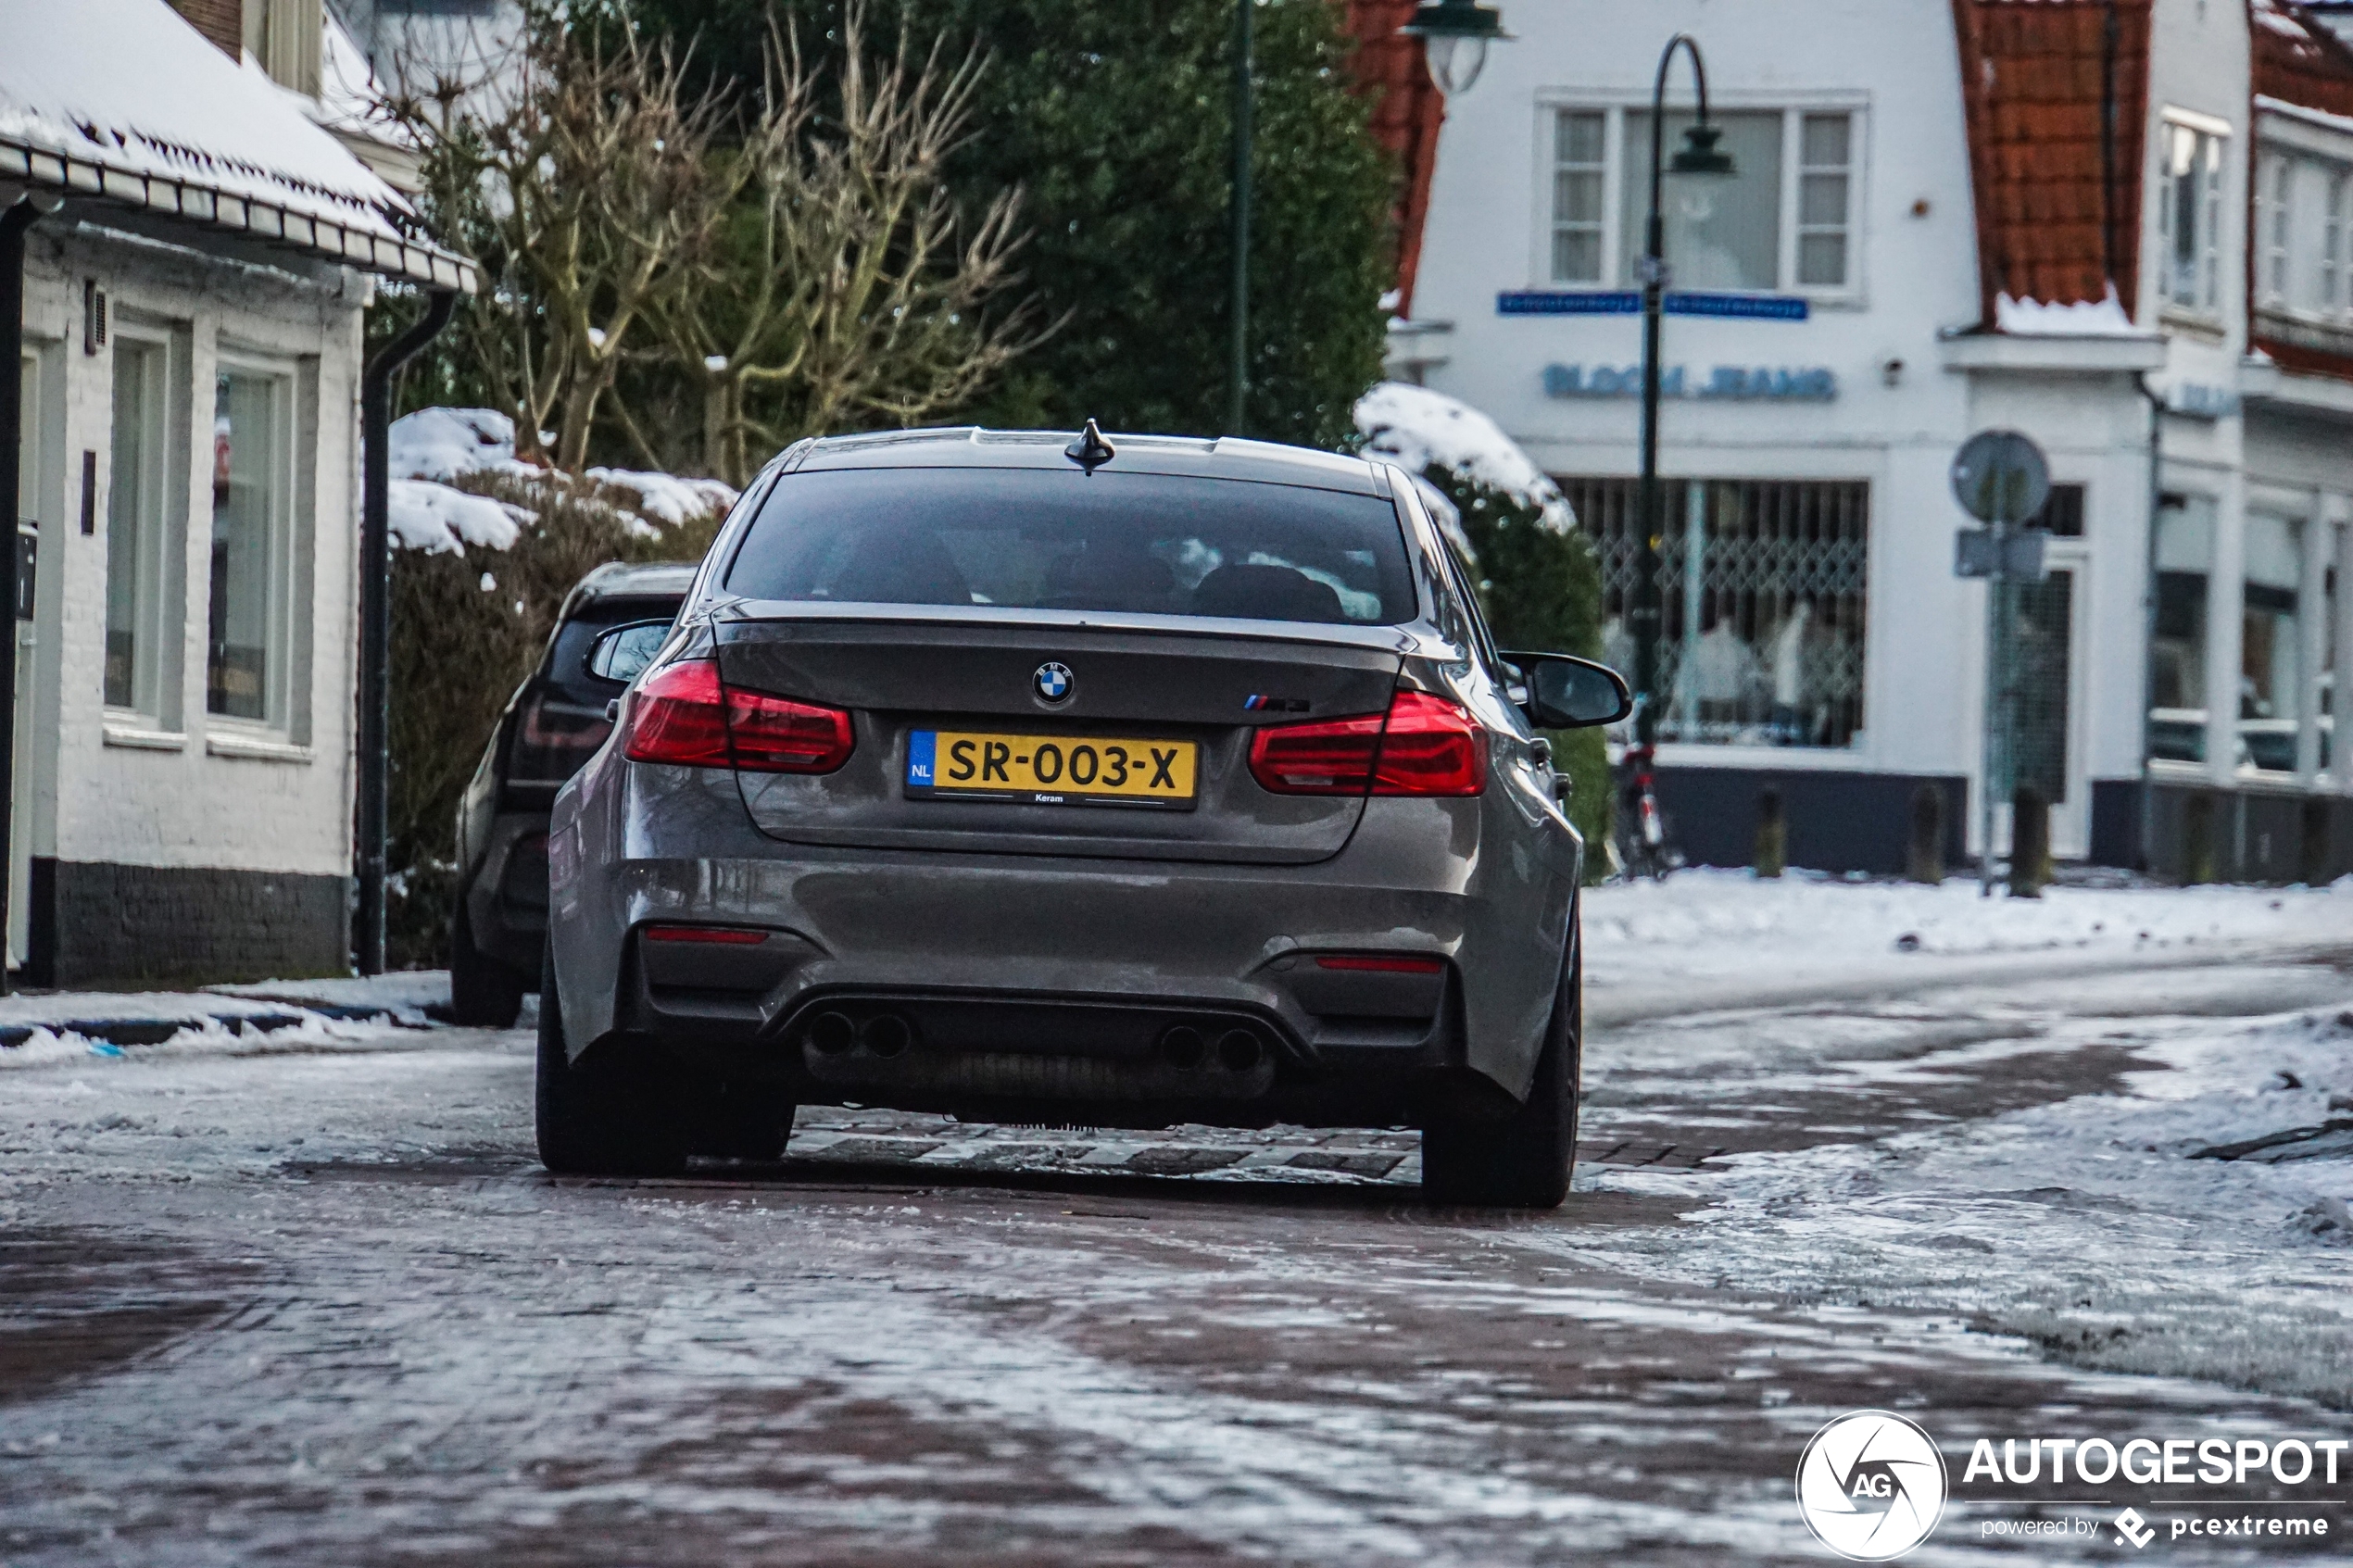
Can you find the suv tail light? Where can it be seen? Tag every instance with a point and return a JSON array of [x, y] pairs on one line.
[[1425, 744], [683, 715]]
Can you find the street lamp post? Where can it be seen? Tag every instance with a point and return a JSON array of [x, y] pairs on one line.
[[1455, 35], [1699, 155]]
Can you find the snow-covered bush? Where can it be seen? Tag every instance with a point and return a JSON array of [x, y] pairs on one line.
[[487, 547]]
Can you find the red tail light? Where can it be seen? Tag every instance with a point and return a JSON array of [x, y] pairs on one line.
[[683, 715], [1381, 963], [1425, 745]]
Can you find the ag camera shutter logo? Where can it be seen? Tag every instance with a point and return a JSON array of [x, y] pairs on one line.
[[1871, 1485]]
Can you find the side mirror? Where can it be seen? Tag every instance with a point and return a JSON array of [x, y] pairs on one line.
[[621, 653], [1564, 693]]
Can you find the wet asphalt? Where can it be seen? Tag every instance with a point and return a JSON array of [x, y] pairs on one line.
[[321, 1306]]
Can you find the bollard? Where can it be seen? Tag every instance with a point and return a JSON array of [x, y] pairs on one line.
[[2029, 843], [1772, 832], [2197, 838], [2316, 851], [1925, 861]]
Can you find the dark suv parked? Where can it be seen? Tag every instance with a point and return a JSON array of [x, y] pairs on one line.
[[610, 626]]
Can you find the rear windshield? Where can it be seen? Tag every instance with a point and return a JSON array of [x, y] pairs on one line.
[[1033, 540]]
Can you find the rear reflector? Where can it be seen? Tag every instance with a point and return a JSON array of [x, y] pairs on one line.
[[1423, 746], [1381, 964], [724, 935], [683, 715]]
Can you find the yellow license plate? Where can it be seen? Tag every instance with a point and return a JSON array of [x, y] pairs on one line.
[[1053, 770]]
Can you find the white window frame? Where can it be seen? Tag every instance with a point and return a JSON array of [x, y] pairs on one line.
[[280, 714], [2274, 172], [1619, 242], [2205, 304], [1604, 225], [159, 551]]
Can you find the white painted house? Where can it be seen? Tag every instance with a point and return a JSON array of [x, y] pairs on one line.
[[1948, 216], [193, 292]]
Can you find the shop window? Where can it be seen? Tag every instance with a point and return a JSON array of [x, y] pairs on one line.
[[2190, 219], [1763, 592], [2270, 645], [2177, 673], [1580, 170], [246, 664]]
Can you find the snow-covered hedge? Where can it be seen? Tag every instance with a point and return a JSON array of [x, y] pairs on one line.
[[489, 546], [440, 459], [1421, 430]]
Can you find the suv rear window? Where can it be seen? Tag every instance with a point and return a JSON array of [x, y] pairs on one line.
[[1043, 540]]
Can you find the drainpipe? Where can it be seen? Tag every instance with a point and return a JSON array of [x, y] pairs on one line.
[[18, 217], [2148, 627], [375, 621]]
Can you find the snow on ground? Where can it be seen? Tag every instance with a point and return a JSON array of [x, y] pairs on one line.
[[1733, 928], [2095, 1226], [271, 1014]]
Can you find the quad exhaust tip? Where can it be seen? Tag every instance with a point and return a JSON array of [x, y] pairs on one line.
[[832, 1032], [1237, 1050], [887, 1035]]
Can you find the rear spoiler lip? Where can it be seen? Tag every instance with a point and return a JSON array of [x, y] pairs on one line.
[[1404, 640]]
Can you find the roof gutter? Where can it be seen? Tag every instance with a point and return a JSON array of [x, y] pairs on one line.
[[375, 621], [276, 223]]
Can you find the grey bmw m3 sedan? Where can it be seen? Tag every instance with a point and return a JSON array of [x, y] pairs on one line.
[[1121, 782]]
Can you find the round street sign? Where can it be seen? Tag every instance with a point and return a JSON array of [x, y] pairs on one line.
[[1999, 477]]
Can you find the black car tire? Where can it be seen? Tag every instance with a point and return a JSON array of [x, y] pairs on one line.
[[1525, 1160], [737, 1121], [483, 992], [604, 1115]]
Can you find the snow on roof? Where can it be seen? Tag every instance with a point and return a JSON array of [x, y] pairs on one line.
[[2081, 317], [123, 99], [1417, 428]]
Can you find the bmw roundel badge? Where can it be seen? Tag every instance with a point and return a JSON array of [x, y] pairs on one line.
[[1053, 683]]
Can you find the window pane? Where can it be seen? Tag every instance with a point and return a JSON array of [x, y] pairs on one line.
[[1577, 255], [1722, 231], [1822, 261], [1577, 137], [1825, 140], [248, 498], [128, 504], [2184, 558], [1576, 197], [1821, 198], [2271, 649]]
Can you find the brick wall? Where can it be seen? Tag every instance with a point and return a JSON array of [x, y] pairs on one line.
[[222, 21], [155, 925]]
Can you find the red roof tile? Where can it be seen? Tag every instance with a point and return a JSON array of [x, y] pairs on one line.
[[2036, 77], [1407, 111]]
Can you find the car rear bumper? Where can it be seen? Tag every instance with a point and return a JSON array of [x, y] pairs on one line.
[[1044, 988]]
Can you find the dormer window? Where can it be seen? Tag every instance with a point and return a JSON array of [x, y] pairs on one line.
[[2190, 216]]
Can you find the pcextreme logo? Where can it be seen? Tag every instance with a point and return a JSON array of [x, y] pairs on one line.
[[1871, 1485]]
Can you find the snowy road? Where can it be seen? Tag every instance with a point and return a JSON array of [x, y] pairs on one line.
[[314, 1303]]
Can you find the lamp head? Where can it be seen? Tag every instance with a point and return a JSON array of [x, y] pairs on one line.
[[1699, 154], [1455, 35]]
